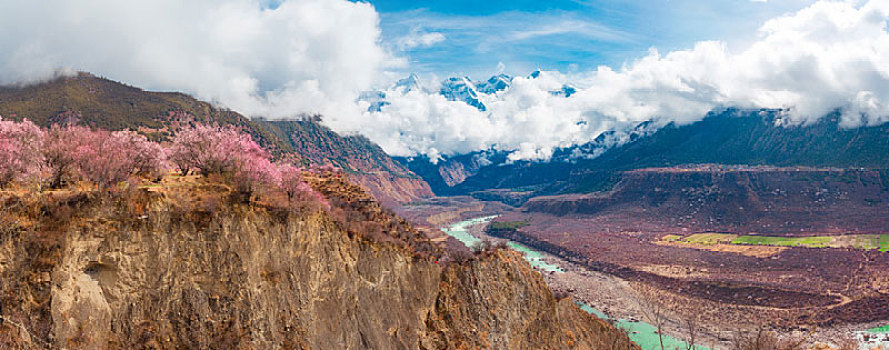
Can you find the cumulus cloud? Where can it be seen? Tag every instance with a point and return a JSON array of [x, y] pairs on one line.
[[831, 55], [297, 56], [315, 56]]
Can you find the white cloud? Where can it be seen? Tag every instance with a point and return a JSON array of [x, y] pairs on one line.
[[304, 56], [827, 56], [417, 38], [563, 26], [316, 55]]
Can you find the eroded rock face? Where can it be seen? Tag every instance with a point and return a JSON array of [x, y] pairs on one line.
[[81, 314], [500, 302], [247, 277], [390, 189]]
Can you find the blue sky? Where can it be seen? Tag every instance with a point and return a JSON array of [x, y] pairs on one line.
[[298, 57], [564, 35]]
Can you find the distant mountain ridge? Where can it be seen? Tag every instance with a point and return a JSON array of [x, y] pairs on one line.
[[98, 102], [733, 136], [756, 138]]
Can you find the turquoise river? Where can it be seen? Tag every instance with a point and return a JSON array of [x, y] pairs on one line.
[[642, 333]]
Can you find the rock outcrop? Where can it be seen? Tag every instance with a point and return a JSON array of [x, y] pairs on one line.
[[173, 268], [481, 306]]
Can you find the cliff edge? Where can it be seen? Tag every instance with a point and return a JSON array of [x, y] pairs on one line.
[[182, 265]]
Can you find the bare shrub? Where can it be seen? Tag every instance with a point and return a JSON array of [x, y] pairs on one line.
[[760, 338], [10, 216], [481, 246], [561, 294], [487, 246], [461, 256], [655, 313], [691, 324]]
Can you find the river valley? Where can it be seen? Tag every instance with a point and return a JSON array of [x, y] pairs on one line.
[[620, 301], [471, 232]]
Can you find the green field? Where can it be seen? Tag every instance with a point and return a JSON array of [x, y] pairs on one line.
[[710, 238], [671, 238], [811, 242], [507, 225], [859, 241], [881, 329]]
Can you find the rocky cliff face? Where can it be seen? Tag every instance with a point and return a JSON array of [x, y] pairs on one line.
[[172, 269], [479, 306]]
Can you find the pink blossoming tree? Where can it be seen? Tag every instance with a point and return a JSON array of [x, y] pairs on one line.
[[21, 156], [299, 193], [108, 158], [103, 157], [225, 151], [60, 148]]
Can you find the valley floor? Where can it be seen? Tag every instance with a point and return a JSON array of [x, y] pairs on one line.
[[625, 298]]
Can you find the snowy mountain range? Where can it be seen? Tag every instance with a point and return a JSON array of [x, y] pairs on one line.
[[462, 89]]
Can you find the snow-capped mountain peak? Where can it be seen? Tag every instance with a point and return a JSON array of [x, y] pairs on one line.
[[462, 89], [496, 83], [411, 83]]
